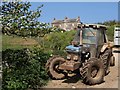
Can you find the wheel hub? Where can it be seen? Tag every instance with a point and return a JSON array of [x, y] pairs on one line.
[[94, 72]]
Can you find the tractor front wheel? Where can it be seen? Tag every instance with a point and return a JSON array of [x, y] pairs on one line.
[[53, 68]]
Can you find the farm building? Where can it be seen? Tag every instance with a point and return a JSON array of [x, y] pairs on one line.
[[67, 24]]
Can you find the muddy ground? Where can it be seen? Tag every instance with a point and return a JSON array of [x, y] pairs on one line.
[[110, 81]]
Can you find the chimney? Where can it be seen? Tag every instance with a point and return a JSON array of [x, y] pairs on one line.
[[66, 17], [78, 19], [54, 19]]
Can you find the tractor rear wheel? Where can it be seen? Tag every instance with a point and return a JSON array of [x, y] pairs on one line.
[[92, 72], [112, 61], [53, 68], [106, 60]]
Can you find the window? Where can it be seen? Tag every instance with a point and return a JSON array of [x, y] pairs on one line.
[[100, 37], [89, 36]]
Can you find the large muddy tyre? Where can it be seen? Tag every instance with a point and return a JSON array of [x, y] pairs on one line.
[[48, 62], [53, 68], [92, 72], [106, 60], [112, 61]]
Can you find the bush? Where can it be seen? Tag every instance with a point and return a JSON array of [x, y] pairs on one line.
[[110, 33], [24, 69], [56, 42]]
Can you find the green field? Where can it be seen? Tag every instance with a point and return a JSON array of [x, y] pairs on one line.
[[10, 42], [50, 41]]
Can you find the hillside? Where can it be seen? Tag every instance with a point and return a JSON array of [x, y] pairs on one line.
[[10, 42]]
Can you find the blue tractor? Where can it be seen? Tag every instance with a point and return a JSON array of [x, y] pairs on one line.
[[90, 53]]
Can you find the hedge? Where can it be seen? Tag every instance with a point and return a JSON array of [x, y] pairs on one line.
[[23, 69]]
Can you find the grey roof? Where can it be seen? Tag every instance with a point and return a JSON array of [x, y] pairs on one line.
[[62, 21], [71, 20], [57, 21]]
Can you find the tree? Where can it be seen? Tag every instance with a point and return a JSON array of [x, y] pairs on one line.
[[17, 19]]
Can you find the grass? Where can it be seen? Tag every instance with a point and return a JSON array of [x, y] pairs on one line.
[[10, 42]]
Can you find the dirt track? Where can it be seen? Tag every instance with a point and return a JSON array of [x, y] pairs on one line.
[[110, 81]]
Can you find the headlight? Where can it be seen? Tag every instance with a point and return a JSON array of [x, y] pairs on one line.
[[75, 58], [87, 55], [77, 50], [83, 52], [69, 56]]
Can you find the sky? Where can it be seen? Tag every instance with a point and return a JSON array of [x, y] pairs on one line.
[[89, 12], [72, 0]]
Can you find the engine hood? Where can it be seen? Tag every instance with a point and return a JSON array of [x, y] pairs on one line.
[[73, 49]]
